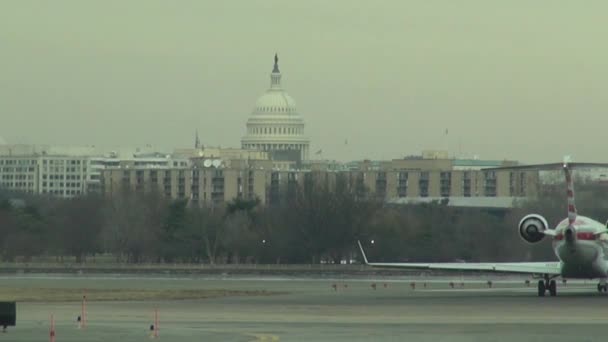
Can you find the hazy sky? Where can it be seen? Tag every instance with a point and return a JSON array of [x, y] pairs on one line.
[[515, 79]]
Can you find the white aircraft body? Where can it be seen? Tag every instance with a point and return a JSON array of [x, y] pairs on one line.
[[580, 244]]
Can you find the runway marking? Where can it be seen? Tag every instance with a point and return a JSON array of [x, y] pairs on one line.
[[264, 337]]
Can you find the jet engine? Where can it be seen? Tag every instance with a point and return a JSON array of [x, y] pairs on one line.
[[531, 228]]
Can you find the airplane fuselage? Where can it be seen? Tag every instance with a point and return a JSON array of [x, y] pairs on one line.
[[583, 254]]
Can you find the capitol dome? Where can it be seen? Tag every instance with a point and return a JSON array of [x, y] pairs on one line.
[[276, 126], [278, 102]]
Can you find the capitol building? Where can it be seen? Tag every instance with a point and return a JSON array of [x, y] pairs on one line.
[[275, 126]]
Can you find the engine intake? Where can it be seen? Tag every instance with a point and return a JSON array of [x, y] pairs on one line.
[[531, 228]]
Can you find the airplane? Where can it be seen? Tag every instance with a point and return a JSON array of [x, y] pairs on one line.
[[580, 244]]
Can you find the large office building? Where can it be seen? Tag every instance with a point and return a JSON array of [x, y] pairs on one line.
[[204, 183], [275, 126], [70, 171], [59, 171], [211, 177], [419, 179], [400, 181]]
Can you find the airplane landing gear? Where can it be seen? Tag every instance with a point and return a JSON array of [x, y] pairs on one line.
[[553, 288], [541, 288], [602, 286], [547, 285]]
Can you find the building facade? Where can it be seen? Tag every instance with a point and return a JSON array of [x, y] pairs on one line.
[[70, 171], [202, 183], [397, 181], [57, 171], [216, 176]]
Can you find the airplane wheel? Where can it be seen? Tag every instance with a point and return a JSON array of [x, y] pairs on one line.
[[599, 288], [541, 288], [553, 288]]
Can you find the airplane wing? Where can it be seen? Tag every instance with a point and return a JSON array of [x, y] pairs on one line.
[[551, 268]]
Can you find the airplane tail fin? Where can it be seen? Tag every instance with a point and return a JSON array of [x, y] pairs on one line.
[[363, 253], [570, 233], [570, 191]]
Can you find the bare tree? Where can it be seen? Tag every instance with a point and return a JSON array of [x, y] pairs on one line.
[[239, 239], [133, 225], [207, 229], [77, 224]]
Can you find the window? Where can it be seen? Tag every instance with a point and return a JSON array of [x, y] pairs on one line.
[[445, 184], [423, 184], [490, 183], [466, 184], [402, 184]]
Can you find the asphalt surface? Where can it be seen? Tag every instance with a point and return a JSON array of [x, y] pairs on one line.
[[313, 310]]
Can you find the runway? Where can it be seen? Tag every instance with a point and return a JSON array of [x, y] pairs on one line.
[[312, 310]]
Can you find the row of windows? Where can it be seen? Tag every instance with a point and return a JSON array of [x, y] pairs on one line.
[[60, 177], [276, 130], [17, 162], [153, 174], [18, 169], [18, 176], [17, 184], [273, 147], [277, 109], [61, 169], [67, 185], [61, 162], [402, 191], [61, 192]]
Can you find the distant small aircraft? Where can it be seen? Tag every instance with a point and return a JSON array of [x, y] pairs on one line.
[[580, 244]]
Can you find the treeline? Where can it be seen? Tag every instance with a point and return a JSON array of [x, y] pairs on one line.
[[309, 225]]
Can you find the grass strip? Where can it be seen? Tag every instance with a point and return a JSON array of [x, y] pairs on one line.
[[71, 295]]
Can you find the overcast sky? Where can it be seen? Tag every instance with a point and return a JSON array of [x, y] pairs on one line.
[[514, 79]]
